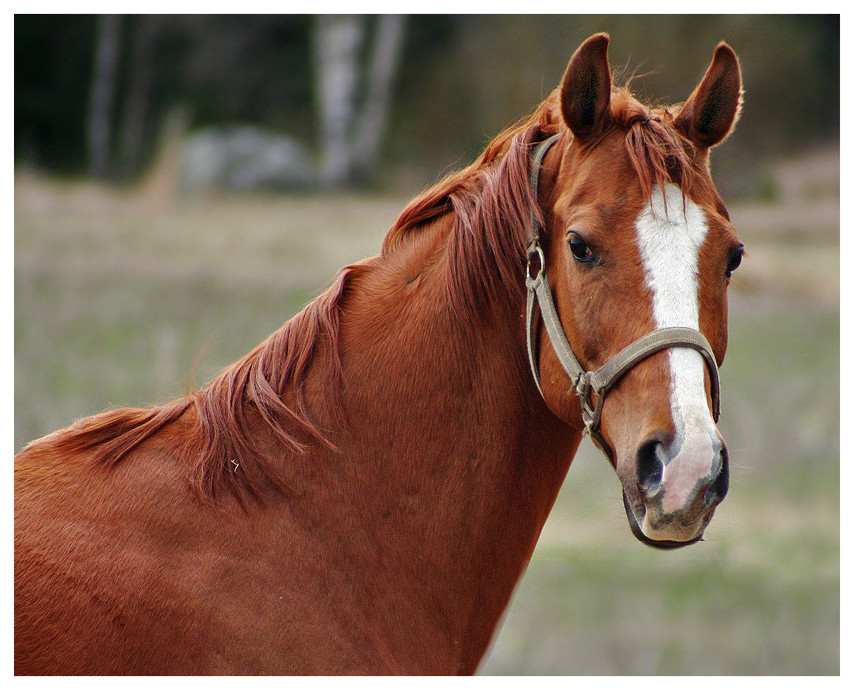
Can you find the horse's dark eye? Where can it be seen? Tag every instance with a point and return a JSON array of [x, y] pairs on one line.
[[580, 249], [734, 261]]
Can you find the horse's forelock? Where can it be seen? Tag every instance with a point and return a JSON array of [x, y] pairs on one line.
[[658, 152]]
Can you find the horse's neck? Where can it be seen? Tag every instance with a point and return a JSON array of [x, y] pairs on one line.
[[452, 462]]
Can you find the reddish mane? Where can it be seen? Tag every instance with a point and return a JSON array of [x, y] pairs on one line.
[[257, 382], [491, 201]]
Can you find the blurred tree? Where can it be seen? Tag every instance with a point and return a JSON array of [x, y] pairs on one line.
[[136, 105], [103, 94], [338, 42], [353, 98]]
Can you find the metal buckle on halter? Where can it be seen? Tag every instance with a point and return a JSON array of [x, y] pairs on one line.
[[584, 390]]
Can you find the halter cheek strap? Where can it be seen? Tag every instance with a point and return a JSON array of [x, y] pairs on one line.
[[593, 386]]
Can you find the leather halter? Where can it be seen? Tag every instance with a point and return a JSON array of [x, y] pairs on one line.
[[593, 386]]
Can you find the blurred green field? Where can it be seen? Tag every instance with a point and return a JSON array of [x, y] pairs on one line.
[[125, 299]]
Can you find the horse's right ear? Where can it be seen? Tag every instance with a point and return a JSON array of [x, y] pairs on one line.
[[585, 92], [712, 110]]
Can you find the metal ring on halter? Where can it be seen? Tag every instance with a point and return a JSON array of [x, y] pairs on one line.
[[535, 250]]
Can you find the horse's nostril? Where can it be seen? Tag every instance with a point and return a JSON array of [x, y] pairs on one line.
[[650, 466], [719, 487]]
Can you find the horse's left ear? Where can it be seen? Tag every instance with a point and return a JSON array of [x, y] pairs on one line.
[[710, 113], [585, 92]]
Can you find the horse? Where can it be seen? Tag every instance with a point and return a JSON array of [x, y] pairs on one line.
[[362, 491]]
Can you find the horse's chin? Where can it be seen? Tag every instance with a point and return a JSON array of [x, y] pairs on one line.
[[641, 537]]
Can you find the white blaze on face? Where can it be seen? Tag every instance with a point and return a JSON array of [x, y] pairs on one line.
[[671, 230]]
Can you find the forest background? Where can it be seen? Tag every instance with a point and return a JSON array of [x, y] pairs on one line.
[[453, 81]]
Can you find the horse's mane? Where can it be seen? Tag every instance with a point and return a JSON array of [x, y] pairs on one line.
[[264, 384], [491, 201]]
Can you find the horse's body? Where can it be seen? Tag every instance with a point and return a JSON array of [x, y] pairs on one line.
[[361, 493]]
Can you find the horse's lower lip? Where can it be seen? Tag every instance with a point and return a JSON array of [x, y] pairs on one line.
[[658, 544]]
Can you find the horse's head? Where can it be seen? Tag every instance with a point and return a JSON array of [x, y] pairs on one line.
[[636, 239]]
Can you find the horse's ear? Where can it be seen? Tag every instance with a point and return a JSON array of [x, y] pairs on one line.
[[710, 113], [585, 92]]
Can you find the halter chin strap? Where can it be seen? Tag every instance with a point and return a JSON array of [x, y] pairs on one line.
[[593, 386]]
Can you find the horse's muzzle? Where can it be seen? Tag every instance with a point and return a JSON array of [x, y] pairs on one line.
[[670, 504]]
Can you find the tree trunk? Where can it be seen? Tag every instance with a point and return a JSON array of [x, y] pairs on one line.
[[103, 93], [136, 103], [354, 100], [338, 42], [372, 119]]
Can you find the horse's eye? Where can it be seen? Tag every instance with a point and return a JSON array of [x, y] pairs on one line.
[[734, 261], [580, 249]]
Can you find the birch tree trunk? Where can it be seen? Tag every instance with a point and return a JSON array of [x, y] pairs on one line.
[[339, 39], [353, 100], [374, 115]]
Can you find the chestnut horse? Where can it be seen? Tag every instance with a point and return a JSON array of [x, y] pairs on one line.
[[362, 491]]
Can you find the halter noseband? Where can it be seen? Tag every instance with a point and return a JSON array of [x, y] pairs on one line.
[[595, 383]]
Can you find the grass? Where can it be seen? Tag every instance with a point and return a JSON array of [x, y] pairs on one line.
[[634, 616], [123, 300]]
